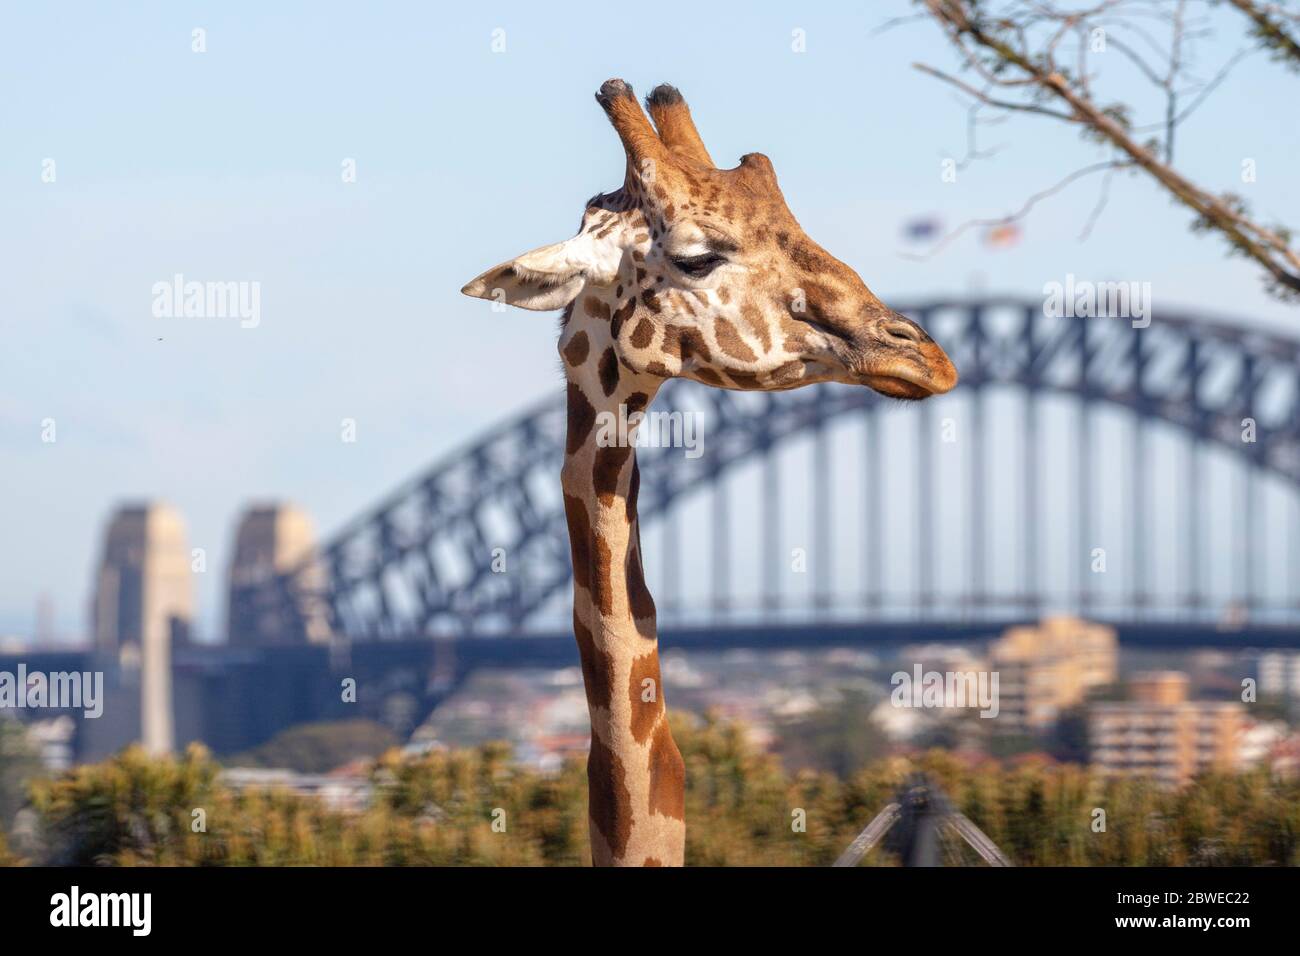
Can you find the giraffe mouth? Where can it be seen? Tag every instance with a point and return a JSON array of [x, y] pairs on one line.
[[895, 387], [911, 380]]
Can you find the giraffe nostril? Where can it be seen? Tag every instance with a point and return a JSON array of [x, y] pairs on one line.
[[903, 330]]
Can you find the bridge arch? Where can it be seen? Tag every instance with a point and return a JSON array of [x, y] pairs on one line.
[[422, 561]]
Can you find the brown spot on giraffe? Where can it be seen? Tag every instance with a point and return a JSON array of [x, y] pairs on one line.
[[633, 490], [581, 419], [597, 666], [683, 303], [609, 465], [622, 315], [691, 343], [729, 341], [794, 337], [575, 513], [608, 800], [759, 327], [672, 343], [789, 372], [575, 352], [638, 595], [643, 334], [667, 775], [608, 370], [602, 564], [643, 695]]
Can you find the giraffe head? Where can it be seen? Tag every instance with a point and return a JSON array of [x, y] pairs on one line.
[[703, 273]]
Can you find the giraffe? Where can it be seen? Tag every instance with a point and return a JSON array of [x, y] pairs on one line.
[[689, 271]]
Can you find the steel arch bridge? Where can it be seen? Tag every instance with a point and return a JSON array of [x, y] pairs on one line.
[[477, 544]]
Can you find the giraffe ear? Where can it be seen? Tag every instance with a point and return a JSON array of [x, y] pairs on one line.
[[547, 278]]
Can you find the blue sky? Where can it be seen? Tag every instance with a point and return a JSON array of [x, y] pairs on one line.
[[226, 165]]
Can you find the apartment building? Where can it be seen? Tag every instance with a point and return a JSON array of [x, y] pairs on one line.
[[1161, 734], [1049, 668]]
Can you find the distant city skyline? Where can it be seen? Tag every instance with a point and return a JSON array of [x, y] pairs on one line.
[[230, 166]]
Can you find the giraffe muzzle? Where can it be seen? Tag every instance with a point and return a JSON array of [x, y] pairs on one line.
[[904, 362]]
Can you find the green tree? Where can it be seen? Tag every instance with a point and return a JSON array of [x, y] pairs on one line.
[[19, 764], [479, 807], [838, 738], [319, 747]]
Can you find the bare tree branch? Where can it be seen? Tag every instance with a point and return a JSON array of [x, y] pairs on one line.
[[1204, 93], [1270, 27], [1102, 199], [973, 122], [985, 98], [1011, 53]]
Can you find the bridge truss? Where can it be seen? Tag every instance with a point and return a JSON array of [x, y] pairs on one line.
[[478, 543]]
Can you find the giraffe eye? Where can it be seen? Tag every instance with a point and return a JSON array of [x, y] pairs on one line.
[[697, 267]]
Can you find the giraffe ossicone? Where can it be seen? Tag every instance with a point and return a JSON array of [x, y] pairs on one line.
[[687, 271]]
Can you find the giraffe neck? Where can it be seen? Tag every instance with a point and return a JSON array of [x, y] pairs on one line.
[[635, 773]]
